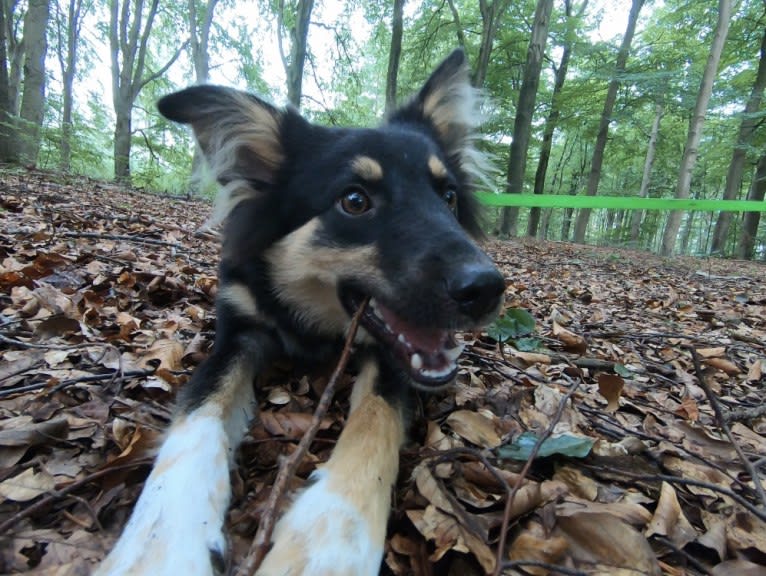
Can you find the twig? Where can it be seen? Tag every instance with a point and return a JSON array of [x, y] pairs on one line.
[[262, 541], [715, 404], [523, 475], [549, 568], [56, 494], [71, 381]]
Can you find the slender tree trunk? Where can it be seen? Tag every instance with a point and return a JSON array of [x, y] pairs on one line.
[[33, 100], [746, 244], [15, 51], [581, 224], [651, 150], [6, 136], [394, 55], [298, 48], [551, 122], [522, 126], [696, 123], [737, 165], [68, 63]]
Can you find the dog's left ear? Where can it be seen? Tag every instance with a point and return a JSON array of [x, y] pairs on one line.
[[447, 103]]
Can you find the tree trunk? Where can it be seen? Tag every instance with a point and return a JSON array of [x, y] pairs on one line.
[[394, 54], [33, 100], [581, 224], [737, 165], [651, 150], [746, 244], [122, 137], [15, 54], [551, 122], [299, 42], [6, 136], [696, 123], [522, 125], [68, 64]]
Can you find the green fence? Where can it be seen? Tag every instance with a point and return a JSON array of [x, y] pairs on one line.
[[619, 202]]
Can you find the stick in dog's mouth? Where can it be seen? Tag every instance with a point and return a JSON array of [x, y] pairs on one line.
[[429, 355]]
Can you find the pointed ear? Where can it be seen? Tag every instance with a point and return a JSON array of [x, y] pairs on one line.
[[447, 102], [239, 134]]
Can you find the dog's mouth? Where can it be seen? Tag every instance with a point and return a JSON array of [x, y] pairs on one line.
[[429, 355]]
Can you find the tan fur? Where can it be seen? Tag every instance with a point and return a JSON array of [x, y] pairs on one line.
[[367, 168], [306, 276], [437, 168], [239, 297], [364, 384]]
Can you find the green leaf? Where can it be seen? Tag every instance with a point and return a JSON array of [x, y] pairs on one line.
[[623, 371], [566, 444], [527, 344], [514, 323]]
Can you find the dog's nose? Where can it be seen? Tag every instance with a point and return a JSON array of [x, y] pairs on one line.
[[476, 289]]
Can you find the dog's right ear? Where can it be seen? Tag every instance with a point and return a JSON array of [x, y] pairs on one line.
[[239, 134]]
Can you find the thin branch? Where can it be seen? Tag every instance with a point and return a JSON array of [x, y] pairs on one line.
[[262, 541]]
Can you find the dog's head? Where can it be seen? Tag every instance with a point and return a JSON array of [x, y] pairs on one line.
[[331, 216]]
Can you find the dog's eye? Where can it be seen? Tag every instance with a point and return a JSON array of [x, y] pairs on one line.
[[355, 202], [450, 197]]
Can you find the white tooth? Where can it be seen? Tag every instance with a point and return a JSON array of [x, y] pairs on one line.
[[437, 373], [454, 353], [416, 361], [401, 338], [373, 304]]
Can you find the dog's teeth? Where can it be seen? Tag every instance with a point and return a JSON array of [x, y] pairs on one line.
[[401, 338], [416, 361], [454, 353]]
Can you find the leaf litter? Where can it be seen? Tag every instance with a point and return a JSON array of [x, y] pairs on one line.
[[611, 422]]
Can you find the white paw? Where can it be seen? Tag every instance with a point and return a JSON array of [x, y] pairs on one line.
[[177, 525]]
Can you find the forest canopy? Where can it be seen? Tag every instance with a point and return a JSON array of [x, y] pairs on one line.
[[649, 98]]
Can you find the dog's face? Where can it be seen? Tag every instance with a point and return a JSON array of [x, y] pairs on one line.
[[321, 219]]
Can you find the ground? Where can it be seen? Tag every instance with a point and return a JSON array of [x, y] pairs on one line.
[[645, 377]]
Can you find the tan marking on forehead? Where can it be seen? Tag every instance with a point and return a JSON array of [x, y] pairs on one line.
[[367, 168], [437, 167]]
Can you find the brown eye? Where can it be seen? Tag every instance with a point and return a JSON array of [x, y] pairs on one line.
[[450, 197], [355, 202]]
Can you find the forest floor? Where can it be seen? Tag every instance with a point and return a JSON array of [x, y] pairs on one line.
[[644, 376]]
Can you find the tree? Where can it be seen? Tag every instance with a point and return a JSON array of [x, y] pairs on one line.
[[298, 32], [594, 177], [651, 150], [33, 99], [394, 54], [6, 113], [746, 244], [747, 127], [130, 27], [68, 29], [522, 126], [695, 125], [551, 122]]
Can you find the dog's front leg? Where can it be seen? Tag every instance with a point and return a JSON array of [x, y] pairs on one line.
[[177, 524], [337, 526]]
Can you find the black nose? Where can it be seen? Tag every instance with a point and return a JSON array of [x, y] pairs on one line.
[[477, 289]]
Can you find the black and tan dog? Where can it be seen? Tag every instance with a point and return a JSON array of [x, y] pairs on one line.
[[318, 221]]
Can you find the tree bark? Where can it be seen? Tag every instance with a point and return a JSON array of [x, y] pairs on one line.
[[6, 136], [696, 123], [551, 122], [68, 64], [522, 126], [33, 99], [746, 244], [646, 177], [394, 54], [744, 137], [581, 223]]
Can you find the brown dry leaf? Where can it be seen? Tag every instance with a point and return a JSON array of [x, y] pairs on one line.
[[22, 431], [738, 568], [572, 342], [448, 534], [578, 482], [610, 387], [602, 540], [712, 352], [279, 396], [755, 372], [724, 365], [26, 486], [165, 354], [530, 357], [669, 520], [533, 545], [291, 425], [745, 531], [478, 428]]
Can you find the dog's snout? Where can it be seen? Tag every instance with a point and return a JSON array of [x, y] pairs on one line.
[[477, 289]]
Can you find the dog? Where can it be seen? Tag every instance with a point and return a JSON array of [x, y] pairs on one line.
[[319, 221]]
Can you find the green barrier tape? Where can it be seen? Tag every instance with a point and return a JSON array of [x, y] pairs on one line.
[[619, 202]]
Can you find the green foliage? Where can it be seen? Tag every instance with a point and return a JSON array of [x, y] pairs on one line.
[[564, 444], [513, 325]]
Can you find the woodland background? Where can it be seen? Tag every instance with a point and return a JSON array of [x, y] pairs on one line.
[[653, 98]]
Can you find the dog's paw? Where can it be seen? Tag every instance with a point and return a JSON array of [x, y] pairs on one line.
[[177, 524]]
